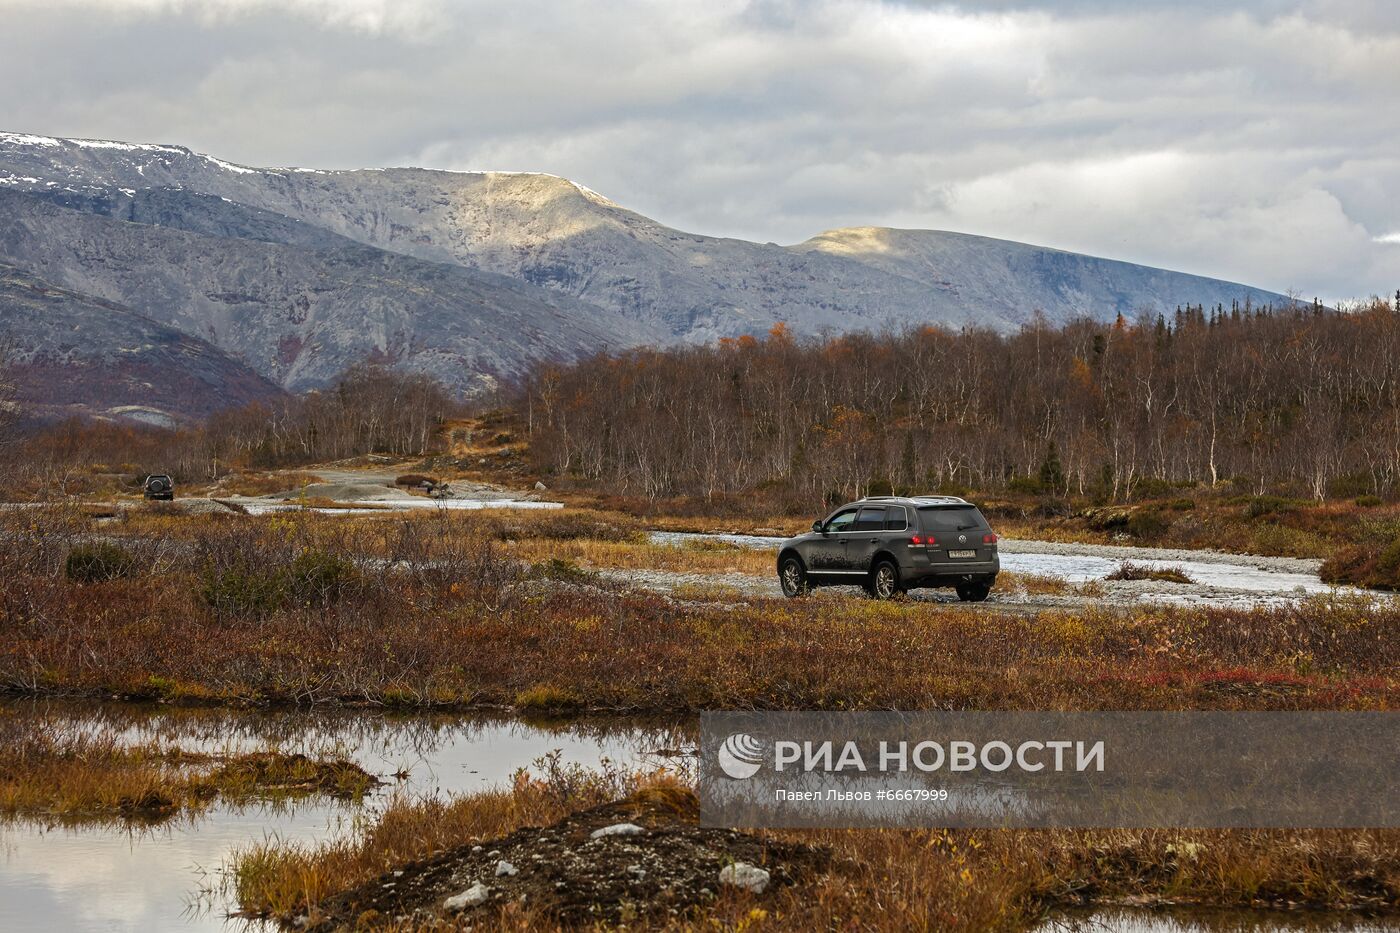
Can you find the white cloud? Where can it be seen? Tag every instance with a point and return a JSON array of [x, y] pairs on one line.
[[1254, 141], [371, 16]]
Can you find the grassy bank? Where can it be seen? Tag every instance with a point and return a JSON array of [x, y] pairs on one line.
[[54, 772], [840, 879]]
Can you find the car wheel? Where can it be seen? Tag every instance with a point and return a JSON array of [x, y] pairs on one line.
[[973, 592], [884, 581], [793, 577]]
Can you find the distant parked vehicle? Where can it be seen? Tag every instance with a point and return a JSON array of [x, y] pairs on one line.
[[889, 544], [159, 486]]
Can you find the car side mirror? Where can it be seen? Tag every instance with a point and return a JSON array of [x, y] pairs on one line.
[[818, 526]]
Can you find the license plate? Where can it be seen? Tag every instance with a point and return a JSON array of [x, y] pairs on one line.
[[962, 553]]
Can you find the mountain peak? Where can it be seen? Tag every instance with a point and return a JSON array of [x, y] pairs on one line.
[[475, 276]]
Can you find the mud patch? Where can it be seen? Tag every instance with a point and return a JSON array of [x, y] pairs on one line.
[[668, 870]]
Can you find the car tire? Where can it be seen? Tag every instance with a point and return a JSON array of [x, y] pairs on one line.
[[792, 576], [974, 592], [884, 580]]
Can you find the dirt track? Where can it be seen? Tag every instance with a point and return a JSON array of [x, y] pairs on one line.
[[1217, 579]]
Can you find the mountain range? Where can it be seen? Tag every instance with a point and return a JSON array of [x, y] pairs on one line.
[[191, 282]]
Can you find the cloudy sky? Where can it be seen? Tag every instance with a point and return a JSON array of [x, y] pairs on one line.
[[1257, 141]]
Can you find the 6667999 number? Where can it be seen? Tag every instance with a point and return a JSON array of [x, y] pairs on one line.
[[938, 794]]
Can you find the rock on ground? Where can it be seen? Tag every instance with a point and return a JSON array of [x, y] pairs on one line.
[[473, 896], [666, 874], [746, 876]]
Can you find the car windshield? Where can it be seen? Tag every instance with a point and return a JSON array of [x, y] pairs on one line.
[[950, 518]]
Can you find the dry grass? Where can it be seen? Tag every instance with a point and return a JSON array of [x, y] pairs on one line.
[[262, 484], [690, 557], [278, 879], [422, 611], [1128, 570], [77, 776], [880, 879], [1031, 584]]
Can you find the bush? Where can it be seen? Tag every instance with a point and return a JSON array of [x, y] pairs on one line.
[[1259, 506], [1131, 571], [562, 570], [1150, 487], [243, 591], [316, 577], [1374, 567], [1182, 505], [1349, 486], [313, 578], [1027, 485], [1148, 524], [1369, 502], [95, 563]]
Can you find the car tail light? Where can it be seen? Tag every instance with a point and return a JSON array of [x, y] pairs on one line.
[[989, 539], [923, 540]]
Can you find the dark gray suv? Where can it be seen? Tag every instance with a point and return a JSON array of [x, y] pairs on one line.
[[889, 544]]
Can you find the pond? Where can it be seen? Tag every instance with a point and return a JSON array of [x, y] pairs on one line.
[[101, 879]]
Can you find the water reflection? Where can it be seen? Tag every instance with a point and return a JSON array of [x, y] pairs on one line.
[[100, 879]]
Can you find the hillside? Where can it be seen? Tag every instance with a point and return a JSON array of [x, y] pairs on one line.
[[81, 355], [301, 315], [474, 276]]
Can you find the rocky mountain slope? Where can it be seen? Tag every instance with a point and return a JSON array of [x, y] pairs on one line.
[[82, 356], [472, 276], [296, 314]]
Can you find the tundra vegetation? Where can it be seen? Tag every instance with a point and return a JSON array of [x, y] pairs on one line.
[[1273, 432], [860, 879], [291, 608]]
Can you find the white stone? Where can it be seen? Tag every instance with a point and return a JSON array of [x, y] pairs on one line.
[[746, 876], [617, 829], [505, 869], [471, 897]]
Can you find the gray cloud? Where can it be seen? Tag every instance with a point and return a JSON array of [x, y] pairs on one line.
[[1254, 141]]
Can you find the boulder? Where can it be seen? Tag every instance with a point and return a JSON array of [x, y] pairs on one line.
[[746, 876], [473, 896], [617, 829]]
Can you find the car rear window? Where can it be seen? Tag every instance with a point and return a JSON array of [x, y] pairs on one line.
[[896, 519], [936, 518]]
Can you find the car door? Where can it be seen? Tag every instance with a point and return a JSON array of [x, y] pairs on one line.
[[826, 552], [864, 538]]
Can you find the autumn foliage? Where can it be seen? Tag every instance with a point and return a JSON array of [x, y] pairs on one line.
[[1301, 400]]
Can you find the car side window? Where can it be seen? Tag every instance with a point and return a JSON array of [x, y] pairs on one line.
[[842, 521], [896, 519], [870, 519]]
